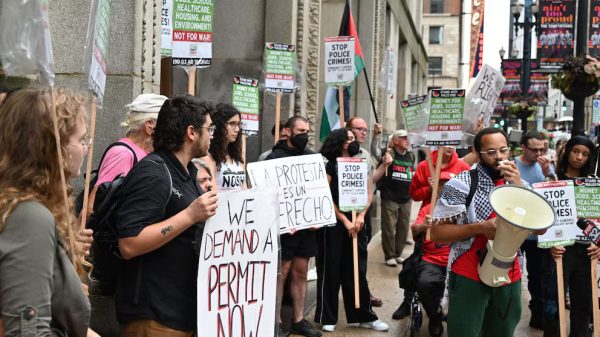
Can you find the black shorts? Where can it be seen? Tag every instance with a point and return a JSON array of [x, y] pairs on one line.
[[302, 244]]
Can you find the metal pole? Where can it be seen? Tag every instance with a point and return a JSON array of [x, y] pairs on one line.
[[526, 73], [580, 50]]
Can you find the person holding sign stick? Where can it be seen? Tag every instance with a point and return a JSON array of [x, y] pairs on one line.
[[40, 256], [334, 260], [395, 200], [575, 162], [476, 309], [159, 214], [298, 247], [225, 152]]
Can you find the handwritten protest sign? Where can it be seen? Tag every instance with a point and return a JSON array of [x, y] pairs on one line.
[[98, 48], [561, 196], [415, 120], [353, 187], [237, 273], [304, 195], [481, 99], [166, 28], [246, 100], [339, 60], [587, 197], [446, 108], [192, 32], [280, 67]]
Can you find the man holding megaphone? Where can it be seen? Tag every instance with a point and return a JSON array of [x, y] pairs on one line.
[[480, 305]]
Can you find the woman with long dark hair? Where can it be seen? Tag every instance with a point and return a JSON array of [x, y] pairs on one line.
[[574, 163], [335, 267], [225, 152]]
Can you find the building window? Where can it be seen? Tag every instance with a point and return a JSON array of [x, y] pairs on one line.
[[435, 65], [436, 34], [436, 6]]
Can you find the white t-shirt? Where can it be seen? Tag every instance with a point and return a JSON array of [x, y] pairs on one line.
[[230, 176]]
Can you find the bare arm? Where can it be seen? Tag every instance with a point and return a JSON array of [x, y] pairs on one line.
[[450, 232], [379, 172]]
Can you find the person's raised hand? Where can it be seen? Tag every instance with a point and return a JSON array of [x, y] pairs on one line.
[[203, 207]]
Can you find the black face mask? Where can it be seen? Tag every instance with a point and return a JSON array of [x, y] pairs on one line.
[[299, 141], [353, 148]]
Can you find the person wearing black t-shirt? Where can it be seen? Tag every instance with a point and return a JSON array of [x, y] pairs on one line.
[[160, 216]]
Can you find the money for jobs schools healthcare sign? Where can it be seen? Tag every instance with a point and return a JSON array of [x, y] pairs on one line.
[[304, 195], [99, 49], [561, 196], [192, 32], [587, 197], [446, 108], [339, 60], [280, 67], [353, 186], [237, 272], [246, 100]]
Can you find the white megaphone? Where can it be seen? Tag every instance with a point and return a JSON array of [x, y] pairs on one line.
[[519, 212]]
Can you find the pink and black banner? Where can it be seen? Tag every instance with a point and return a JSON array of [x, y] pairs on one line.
[[512, 90], [476, 56], [594, 29], [556, 33]]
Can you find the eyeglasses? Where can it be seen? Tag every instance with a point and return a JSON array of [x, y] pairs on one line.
[[493, 153], [361, 130], [211, 129], [542, 150], [86, 143], [235, 125]]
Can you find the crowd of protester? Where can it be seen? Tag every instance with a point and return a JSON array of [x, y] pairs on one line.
[[178, 153]]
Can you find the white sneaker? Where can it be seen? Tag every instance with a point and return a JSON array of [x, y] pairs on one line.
[[399, 259], [328, 328], [375, 325], [391, 262]]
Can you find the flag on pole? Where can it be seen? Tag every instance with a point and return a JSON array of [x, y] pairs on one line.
[[331, 108]]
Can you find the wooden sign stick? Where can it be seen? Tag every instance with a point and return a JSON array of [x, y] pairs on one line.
[[277, 116], [88, 165], [596, 313], [355, 259], [192, 81], [436, 183], [561, 297], [342, 109]]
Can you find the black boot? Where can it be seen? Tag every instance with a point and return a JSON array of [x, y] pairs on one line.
[[402, 311]]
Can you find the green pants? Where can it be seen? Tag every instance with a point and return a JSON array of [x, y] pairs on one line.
[[476, 309]]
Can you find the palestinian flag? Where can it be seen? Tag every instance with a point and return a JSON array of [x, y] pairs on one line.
[[331, 108]]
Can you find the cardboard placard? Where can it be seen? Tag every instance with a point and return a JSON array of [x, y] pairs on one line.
[[481, 99], [561, 195], [280, 67], [192, 32], [246, 100], [237, 272], [353, 184], [304, 195], [446, 107], [339, 60]]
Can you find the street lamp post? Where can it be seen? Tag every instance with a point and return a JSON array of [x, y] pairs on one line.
[[530, 20], [504, 116], [580, 45]]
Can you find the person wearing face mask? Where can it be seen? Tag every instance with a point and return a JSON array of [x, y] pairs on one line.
[[475, 309], [395, 198], [296, 248], [334, 260]]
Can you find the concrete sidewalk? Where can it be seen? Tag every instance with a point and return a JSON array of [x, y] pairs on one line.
[[383, 283]]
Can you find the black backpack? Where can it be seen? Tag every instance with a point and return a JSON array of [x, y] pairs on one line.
[[104, 252], [409, 275], [94, 179]]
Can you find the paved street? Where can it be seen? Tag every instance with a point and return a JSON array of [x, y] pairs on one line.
[[383, 282]]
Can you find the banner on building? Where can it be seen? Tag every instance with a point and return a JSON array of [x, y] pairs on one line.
[[513, 92], [596, 111], [476, 57], [556, 33], [446, 107], [237, 272], [192, 33], [594, 29], [304, 195], [246, 100]]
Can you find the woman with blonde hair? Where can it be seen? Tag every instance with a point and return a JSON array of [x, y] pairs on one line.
[[40, 291]]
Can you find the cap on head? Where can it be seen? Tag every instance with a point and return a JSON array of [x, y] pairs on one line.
[[143, 107], [399, 133]]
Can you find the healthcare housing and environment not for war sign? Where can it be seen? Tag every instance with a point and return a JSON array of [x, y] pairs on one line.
[[99, 49], [246, 100], [304, 195], [561, 196], [587, 197], [339, 60], [192, 32], [280, 67], [446, 107], [237, 273], [353, 186]]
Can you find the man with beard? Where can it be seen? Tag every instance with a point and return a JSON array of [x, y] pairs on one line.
[[159, 216], [296, 248], [476, 309]]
